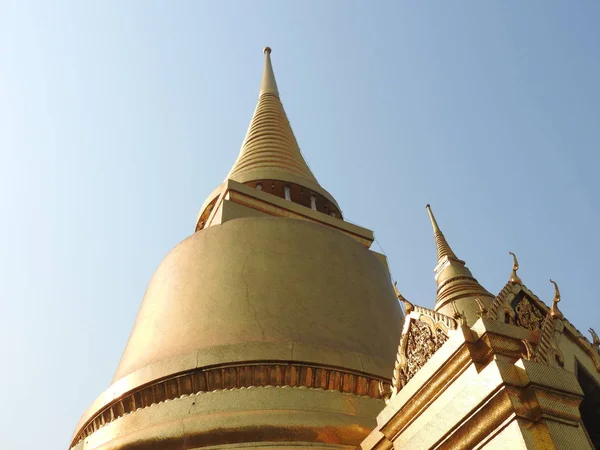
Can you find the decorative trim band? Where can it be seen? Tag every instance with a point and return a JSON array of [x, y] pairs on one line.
[[232, 377]]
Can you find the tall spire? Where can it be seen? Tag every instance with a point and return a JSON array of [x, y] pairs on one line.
[[270, 151], [457, 289], [443, 249], [268, 85]]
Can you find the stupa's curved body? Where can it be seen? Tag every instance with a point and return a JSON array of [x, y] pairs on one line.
[[272, 325]]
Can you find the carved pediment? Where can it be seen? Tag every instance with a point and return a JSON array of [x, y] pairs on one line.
[[421, 343], [526, 313], [424, 333], [517, 306]]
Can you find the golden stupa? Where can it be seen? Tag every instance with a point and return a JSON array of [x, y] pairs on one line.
[[275, 326]]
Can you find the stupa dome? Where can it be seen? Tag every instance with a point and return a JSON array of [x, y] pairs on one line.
[[264, 285], [257, 302]]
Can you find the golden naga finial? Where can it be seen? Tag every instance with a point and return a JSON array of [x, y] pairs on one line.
[[458, 315], [408, 306], [529, 350], [514, 278], [554, 311], [595, 338], [385, 391], [482, 312]]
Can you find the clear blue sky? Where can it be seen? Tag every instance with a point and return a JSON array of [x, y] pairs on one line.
[[117, 119]]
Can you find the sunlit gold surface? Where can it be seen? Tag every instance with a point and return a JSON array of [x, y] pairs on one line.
[[476, 391], [275, 326], [257, 416], [514, 278], [270, 155], [258, 280], [306, 293], [507, 381], [259, 203]]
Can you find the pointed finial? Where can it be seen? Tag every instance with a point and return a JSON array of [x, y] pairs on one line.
[[529, 350], [385, 391], [268, 85], [408, 306], [443, 249], [554, 311], [595, 338], [482, 309], [459, 316], [514, 278]]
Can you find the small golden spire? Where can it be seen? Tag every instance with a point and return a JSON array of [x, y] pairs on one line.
[[268, 85], [455, 281], [554, 311], [514, 278], [408, 306], [443, 249]]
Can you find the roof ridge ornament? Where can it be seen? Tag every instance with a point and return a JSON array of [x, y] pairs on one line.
[[547, 350], [554, 311], [499, 301], [595, 339], [459, 316], [408, 306], [514, 278], [483, 311]]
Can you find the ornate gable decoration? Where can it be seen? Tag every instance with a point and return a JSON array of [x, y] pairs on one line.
[[516, 305], [421, 342], [526, 313], [424, 333]]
